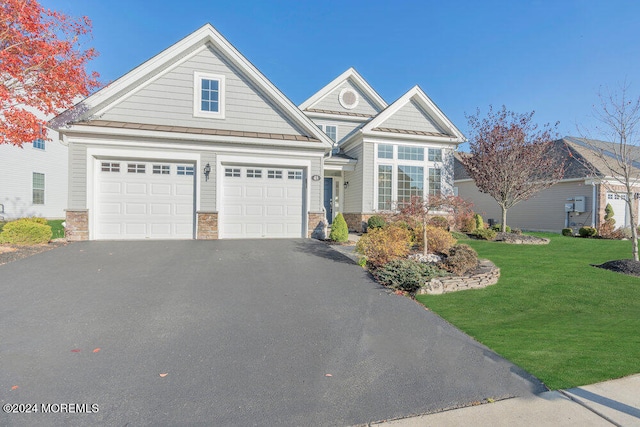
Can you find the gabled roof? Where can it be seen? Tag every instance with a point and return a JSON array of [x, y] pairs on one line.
[[354, 78], [90, 108], [447, 130], [582, 161]]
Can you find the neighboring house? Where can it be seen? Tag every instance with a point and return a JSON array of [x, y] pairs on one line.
[[197, 143], [579, 199], [387, 153], [33, 179]]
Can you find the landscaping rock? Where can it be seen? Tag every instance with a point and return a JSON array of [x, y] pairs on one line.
[[520, 239], [485, 275], [428, 259]]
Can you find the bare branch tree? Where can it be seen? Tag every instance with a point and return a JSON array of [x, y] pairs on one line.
[[618, 147], [511, 159]]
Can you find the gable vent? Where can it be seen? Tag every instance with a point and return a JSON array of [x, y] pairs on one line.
[[348, 98]]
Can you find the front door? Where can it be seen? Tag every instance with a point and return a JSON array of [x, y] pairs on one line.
[[328, 198]]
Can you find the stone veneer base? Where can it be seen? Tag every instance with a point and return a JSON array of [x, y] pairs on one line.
[[77, 225], [207, 225]]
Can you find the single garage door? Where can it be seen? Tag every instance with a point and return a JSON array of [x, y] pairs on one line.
[[144, 200], [261, 202]]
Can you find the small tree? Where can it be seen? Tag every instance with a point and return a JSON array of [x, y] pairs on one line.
[[511, 159], [418, 211], [42, 67], [618, 115], [339, 229]]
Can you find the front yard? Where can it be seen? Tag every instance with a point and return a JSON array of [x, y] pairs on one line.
[[551, 313]]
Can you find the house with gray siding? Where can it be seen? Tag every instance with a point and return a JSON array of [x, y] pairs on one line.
[[198, 143], [577, 200]]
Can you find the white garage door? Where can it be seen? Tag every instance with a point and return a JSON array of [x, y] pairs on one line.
[[144, 200], [618, 202], [260, 202]]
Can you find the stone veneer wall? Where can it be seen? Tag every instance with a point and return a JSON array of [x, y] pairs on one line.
[[317, 225], [207, 226], [357, 221], [487, 274], [77, 225]]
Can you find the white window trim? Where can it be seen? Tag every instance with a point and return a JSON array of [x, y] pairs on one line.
[[197, 95], [394, 163], [323, 128]]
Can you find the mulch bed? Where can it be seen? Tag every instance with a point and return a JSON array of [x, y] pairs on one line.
[[9, 253], [624, 266]]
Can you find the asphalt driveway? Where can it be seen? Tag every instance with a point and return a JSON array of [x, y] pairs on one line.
[[268, 332]]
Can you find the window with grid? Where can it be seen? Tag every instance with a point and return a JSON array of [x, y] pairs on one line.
[[210, 95], [435, 181], [385, 178], [188, 170], [274, 174], [254, 173], [39, 144], [294, 174], [38, 188], [232, 172], [161, 169], [410, 153], [136, 167], [410, 183], [330, 130], [385, 151], [110, 167], [435, 154]]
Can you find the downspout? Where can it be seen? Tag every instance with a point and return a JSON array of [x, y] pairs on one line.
[[593, 205]]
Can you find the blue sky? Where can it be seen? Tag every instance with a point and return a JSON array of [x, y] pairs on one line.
[[549, 56]]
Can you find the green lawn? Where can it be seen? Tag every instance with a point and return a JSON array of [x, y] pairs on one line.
[[56, 228], [551, 313]]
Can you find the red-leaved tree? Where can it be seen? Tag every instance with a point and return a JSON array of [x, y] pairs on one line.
[[42, 67], [511, 159]]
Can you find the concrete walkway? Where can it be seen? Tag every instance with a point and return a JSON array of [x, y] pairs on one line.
[[615, 402]]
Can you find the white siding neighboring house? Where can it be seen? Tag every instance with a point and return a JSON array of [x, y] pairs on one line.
[[33, 179], [577, 200]]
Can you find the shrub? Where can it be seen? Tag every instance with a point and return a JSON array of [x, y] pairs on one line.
[[587, 232], [38, 220], [516, 231], [466, 224], [26, 231], [460, 260], [339, 229], [567, 232], [439, 222], [479, 221], [381, 245], [406, 274], [438, 240], [376, 221], [485, 234], [608, 213], [498, 228], [606, 229]]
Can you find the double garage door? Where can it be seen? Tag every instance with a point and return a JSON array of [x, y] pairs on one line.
[[156, 200]]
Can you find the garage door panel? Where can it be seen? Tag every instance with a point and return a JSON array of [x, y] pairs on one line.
[[253, 210], [253, 192], [184, 189], [160, 189], [259, 207], [144, 205], [110, 187], [110, 208], [277, 192], [161, 209], [135, 209]]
